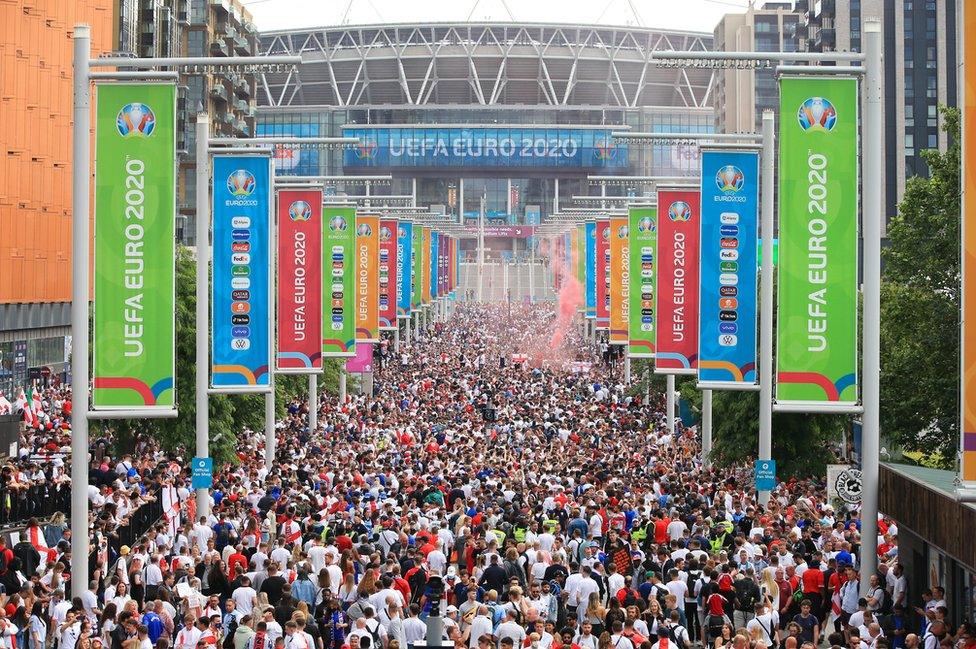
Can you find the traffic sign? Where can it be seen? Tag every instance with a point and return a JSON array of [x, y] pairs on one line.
[[202, 476], [765, 475]]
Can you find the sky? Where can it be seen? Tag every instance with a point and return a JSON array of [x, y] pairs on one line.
[[692, 15]]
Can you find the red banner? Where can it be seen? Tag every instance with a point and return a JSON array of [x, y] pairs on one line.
[[678, 243], [388, 273], [603, 274], [299, 281]]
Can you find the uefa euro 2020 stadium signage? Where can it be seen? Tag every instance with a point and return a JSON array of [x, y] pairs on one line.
[[485, 147]]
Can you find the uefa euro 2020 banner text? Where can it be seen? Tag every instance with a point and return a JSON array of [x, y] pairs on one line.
[[135, 201], [404, 264], [602, 271], [367, 278], [339, 280], [388, 273], [299, 243], [241, 291], [816, 352], [434, 265], [589, 267], [728, 272], [619, 279], [643, 280], [678, 233]]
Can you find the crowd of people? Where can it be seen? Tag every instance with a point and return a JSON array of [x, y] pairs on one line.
[[507, 488]]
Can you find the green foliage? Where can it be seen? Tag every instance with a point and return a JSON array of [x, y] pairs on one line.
[[920, 309], [229, 414]]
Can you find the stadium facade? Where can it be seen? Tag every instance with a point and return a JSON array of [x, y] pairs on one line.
[[518, 113]]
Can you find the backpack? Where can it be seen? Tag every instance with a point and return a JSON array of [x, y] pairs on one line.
[[375, 634], [228, 642], [692, 579]]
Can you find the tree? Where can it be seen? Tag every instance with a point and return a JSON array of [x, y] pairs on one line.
[[920, 309], [229, 414]]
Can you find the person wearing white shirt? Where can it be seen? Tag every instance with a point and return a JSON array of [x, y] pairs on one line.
[[480, 625], [678, 588], [70, 631], [244, 597], [188, 636], [436, 561], [510, 629], [586, 586], [767, 622], [414, 629], [596, 525], [676, 529]]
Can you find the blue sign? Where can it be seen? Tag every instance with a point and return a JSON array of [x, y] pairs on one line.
[[765, 475], [727, 322], [569, 270], [240, 295], [434, 265], [293, 160], [202, 473], [572, 148], [404, 267], [590, 252]]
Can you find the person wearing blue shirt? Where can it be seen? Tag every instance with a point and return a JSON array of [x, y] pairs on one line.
[[304, 590]]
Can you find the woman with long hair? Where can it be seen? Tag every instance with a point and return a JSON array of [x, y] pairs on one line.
[[107, 623], [348, 592], [595, 613]]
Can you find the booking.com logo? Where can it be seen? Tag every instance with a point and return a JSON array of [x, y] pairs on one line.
[[136, 120], [241, 183], [679, 211], [730, 178], [817, 114]]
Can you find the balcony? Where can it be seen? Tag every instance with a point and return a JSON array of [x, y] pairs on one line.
[[219, 48], [225, 117], [242, 87], [241, 105], [826, 39], [222, 6], [240, 126], [242, 46], [219, 91]]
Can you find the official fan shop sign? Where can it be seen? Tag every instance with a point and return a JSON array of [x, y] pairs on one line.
[[643, 280], [299, 281], [133, 357], [816, 352], [728, 272], [339, 280], [201, 476], [240, 293], [677, 280]]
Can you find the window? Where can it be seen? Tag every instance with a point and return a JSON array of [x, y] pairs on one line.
[[909, 115], [931, 88], [933, 141], [933, 116], [909, 144]]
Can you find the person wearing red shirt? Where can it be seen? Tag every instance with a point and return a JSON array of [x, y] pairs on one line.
[[661, 528], [813, 586], [235, 561]]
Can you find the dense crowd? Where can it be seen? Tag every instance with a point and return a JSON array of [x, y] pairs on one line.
[[539, 504]]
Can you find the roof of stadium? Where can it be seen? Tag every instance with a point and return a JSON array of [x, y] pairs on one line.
[[484, 64]]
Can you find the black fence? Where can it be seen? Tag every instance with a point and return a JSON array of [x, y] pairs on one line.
[[18, 505]]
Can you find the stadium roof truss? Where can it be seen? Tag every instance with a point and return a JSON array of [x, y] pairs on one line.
[[488, 64]]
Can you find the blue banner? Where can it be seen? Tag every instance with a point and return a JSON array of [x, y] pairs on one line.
[[729, 229], [434, 265], [568, 248], [573, 148], [765, 475], [590, 248], [240, 295], [404, 267]]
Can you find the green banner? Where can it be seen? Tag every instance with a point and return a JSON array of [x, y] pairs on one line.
[[643, 280], [417, 281], [339, 285], [816, 351], [581, 265], [133, 356]]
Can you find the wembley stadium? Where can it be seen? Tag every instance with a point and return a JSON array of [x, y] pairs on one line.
[[519, 114]]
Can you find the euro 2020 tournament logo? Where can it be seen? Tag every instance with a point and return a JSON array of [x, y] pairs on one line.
[[817, 114], [366, 150], [241, 183], [337, 224], [385, 233], [604, 150], [646, 224], [136, 120], [605, 233], [679, 211], [401, 233], [364, 230], [300, 211], [730, 179], [623, 231]]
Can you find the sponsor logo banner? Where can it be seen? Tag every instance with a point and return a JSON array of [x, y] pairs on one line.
[[133, 333], [425, 284], [434, 264], [300, 280], [727, 294], [589, 267], [619, 279], [367, 278], [389, 272], [643, 280], [816, 350], [339, 281], [603, 274], [677, 288], [404, 267], [968, 373], [241, 214], [417, 278]]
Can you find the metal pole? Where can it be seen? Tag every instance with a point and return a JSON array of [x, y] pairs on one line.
[[396, 337], [342, 385], [706, 426], [766, 297], [481, 249], [531, 269], [408, 327], [626, 368], [80, 237], [269, 427], [871, 342], [670, 395], [201, 398], [313, 402]]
